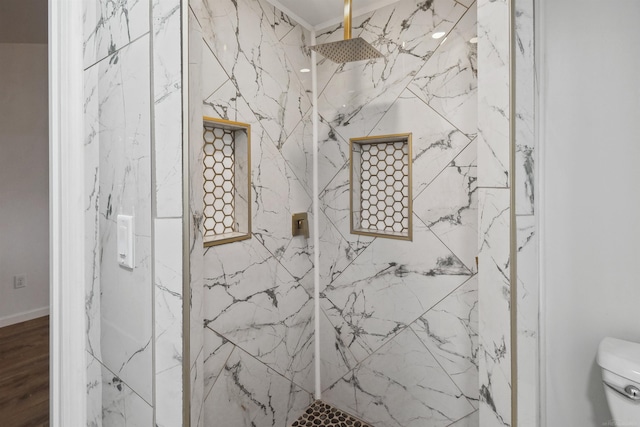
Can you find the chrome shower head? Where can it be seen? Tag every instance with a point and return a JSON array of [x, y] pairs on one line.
[[347, 50]]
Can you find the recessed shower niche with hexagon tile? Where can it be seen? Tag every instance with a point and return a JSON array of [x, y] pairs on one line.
[[380, 180], [226, 169]]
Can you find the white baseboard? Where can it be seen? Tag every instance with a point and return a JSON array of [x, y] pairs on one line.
[[24, 316]]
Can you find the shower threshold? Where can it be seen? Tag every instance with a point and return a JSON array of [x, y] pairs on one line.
[[324, 415]]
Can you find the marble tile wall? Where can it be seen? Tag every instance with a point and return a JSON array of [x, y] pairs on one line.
[[196, 254], [399, 325], [528, 286], [256, 366], [494, 283], [118, 301], [166, 32], [133, 122], [118, 142]]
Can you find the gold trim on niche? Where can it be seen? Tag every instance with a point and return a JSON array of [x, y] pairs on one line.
[[233, 126], [405, 138]]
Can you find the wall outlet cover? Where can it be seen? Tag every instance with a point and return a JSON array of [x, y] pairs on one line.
[[19, 281]]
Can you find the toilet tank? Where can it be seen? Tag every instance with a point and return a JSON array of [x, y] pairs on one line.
[[620, 363]]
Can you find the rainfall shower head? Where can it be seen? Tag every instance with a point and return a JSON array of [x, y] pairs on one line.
[[347, 50]]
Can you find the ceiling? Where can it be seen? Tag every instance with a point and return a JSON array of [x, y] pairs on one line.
[[23, 21], [319, 14]]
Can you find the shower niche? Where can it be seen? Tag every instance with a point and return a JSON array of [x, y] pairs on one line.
[[226, 166], [380, 183]]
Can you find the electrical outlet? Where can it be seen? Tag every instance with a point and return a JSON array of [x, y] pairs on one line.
[[19, 281]]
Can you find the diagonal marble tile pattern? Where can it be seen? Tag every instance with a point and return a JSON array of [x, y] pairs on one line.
[[258, 358], [399, 326], [388, 308]]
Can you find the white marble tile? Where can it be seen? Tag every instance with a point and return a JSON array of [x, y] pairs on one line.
[[333, 153], [168, 321], [450, 332], [240, 36], [167, 96], [388, 286], [281, 23], [213, 75], [297, 258], [449, 80], [125, 185], [196, 257], [494, 307], [277, 194], [256, 304], [493, 93], [226, 103], [359, 93], [435, 141], [402, 385], [296, 44], [121, 406], [525, 179], [335, 358], [335, 202], [527, 291], [197, 402], [472, 420], [217, 350], [467, 157], [238, 399], [94, 392], [297, 151], [467, 3], [336, 253], [108, 26], [528, 309], [342, 394], [92, 211], [449, 207], [525, 108]]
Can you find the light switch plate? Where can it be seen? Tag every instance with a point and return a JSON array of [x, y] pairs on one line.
[[125, 241]]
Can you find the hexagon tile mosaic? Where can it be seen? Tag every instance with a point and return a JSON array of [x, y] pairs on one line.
[[219, 181], [321, 414], [384, 175]]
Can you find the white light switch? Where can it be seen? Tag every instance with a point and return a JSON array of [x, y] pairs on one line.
[[125, 241]]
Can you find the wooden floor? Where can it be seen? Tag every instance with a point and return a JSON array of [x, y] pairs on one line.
[[24, 374]]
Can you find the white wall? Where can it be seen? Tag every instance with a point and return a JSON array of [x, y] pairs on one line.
[[24, 188], [591, 211]]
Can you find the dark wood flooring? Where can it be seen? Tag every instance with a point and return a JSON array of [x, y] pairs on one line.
[[24, 374]]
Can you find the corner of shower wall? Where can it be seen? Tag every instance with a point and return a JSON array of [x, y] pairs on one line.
[[251, 321], [133, 123]]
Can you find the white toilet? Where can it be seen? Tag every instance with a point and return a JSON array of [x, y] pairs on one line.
[[620, 363]]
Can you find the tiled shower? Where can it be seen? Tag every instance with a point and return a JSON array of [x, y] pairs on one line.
[[400, 337], [398, 319]]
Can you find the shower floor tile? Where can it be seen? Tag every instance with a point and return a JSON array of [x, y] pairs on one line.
[[323, 415]]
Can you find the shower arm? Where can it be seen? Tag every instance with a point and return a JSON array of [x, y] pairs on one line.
[[347, 19]]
